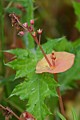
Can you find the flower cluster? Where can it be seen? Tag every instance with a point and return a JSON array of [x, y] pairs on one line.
[[22, 28]]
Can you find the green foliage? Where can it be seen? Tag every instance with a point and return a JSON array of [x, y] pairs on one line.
[[76, 45], [3, 81], [25, 16], [62, 44], [13, 10], [61, 116], [19, 53], [36, 90], [36, 87], [24, 65], [67, 78], [59, 44], [76, 6], [29, 16], [2, 38], [75, 117]]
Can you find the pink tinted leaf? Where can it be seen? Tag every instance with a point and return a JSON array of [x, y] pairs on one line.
[[63, 62]]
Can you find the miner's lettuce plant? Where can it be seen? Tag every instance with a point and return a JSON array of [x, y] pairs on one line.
[[37, 89]]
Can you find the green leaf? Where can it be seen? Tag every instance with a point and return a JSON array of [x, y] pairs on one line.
[[59, 44], [74, 115], [76, 43], [3, 81], [13, 10], [20, 53], [61, 116], [36, 90], [66, 79], [23, 67], [29, 16], [76, 6], [78, 24], [24, 64]]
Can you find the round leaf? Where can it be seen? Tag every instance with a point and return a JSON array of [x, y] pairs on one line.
[[63, 62]]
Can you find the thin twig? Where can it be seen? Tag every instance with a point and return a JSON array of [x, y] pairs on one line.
[[39, 38], [6, 109], [37, 41]]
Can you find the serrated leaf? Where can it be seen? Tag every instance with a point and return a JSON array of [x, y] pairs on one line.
[[38, 108], [23, 67], [36, 90], [20, 53], [58, 44], [21, 90], [24, 64], [61, 116]]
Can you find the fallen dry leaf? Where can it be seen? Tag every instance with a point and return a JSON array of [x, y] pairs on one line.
[[63, 62]]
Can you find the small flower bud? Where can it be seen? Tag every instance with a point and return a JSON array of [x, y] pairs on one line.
[[34, 34], [53, 56], [25, 25], [21, 33], [32, 22], [39, 31], [30, 28]]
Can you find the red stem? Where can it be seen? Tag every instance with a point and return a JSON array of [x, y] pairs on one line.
[[36, 40], [59, 97], [39, 38], [10, 111]]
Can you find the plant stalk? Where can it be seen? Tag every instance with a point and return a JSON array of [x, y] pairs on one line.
[[34, 37], [38, 43], [59, 97], [36, 40], [6, 109], [2, 37]]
